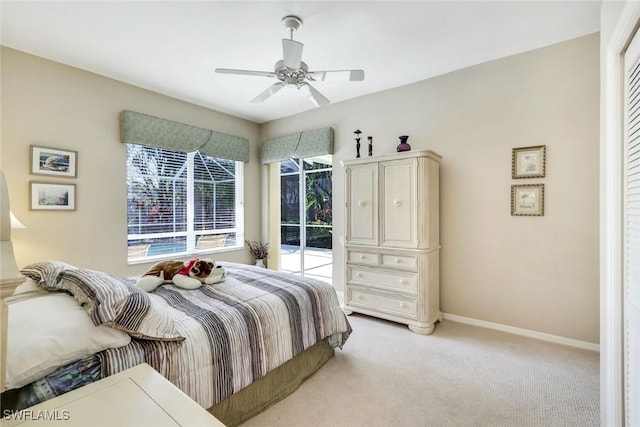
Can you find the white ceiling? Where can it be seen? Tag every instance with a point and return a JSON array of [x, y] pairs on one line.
[[172, 47]]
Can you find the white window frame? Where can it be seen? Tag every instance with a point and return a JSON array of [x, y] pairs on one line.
[[190, 233]]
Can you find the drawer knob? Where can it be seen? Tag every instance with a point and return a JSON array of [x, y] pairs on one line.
[[403, 305], [403, 282], [397, 260], [362, 257], [358, 274], [359, 296], [362, 203], [397, 203]]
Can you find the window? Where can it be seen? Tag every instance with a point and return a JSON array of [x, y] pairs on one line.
[[181, 203]]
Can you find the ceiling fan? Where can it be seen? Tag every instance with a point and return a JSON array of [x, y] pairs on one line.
[[292, 71]]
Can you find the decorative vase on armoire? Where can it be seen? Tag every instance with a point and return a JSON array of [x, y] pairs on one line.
[[403, 146]]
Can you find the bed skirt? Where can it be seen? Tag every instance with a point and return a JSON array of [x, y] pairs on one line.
[[273, 387]]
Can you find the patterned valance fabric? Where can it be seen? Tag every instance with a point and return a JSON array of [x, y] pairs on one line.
[[300, 145], [139, 128]]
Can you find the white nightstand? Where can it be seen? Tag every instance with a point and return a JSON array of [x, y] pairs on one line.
[[137, 397]]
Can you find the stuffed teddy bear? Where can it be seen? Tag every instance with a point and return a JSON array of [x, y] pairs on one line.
[[187, 275]]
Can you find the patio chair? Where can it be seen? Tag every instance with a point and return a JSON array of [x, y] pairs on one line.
[[138, 251], [211, 241]]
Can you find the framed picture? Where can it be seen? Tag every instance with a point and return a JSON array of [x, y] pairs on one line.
[[53, 161], [527, 200], [528, 162], [46, 196]]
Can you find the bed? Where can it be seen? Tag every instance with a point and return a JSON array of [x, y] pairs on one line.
[[235, 347]]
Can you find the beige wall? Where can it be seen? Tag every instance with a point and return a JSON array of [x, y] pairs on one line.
[[537, 273], [53, 105]]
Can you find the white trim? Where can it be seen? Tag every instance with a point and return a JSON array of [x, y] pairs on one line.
[[274, 214], [240, 213], [524, 332], [611, 191], [511, 330]]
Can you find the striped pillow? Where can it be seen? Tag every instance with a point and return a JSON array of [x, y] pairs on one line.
[[46, 272], [118, 303]]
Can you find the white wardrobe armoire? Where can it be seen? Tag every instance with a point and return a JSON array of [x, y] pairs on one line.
[[392, 243]]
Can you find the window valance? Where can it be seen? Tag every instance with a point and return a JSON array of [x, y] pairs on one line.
[[302, 144], [139, 128]]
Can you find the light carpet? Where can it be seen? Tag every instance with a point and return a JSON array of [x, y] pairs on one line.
[[462, 375]]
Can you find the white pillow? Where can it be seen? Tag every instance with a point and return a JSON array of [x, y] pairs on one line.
[[48, 331], [29, 286]]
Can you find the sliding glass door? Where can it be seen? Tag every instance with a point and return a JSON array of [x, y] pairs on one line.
[[306, 217]]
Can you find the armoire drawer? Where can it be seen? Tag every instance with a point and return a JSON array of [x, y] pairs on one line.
[[404, 261], [383, 279], [357, 297], [362, 257]]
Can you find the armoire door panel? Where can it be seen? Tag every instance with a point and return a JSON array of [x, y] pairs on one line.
[[399, 198], [362, 204]]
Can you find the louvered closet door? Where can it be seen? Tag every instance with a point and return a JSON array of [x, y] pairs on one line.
[[631, 235]]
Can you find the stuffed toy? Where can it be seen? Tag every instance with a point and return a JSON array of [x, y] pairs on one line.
[[187, 275]]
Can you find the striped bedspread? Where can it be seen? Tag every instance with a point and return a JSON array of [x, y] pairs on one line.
[[236, 331]]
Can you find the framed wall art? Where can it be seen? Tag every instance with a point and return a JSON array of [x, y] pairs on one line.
[[528, 162], [54, 161], [527, 200], [46, 196]]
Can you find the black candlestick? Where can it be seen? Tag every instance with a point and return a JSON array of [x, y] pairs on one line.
[[357, 132], [370, 138]]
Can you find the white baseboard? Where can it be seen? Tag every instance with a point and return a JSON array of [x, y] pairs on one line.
[[512, 330], [524, 332]]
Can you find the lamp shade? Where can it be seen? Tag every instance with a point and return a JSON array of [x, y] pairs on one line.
[[15, 222]]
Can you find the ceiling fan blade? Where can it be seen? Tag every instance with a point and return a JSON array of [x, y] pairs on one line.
[[314, 96], [274, 88], [246, 72], [337, 75], [292, 53]]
